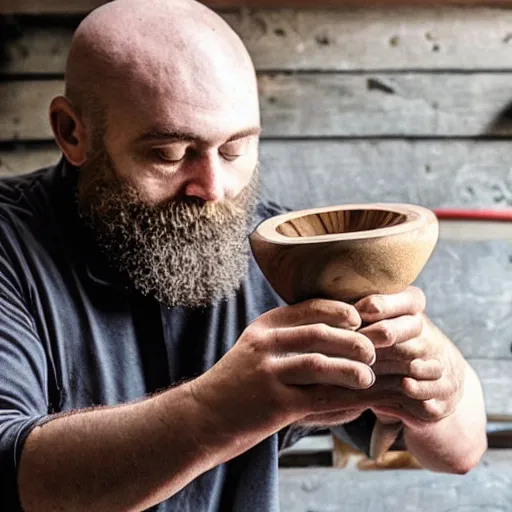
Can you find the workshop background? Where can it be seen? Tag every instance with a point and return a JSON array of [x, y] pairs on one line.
[[382, 103]]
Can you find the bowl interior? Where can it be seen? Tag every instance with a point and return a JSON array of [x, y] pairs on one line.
[[340, 221]]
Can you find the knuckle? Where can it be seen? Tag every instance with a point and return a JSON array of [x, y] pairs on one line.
[[267, 367], [314, 363], [357, 377], [317, 306], [348, 314], [385, 332], [375, 304], [267, 337], [432, 410], [254, 339], [362, 349], [320, 332], [410, 387], [413, 368]]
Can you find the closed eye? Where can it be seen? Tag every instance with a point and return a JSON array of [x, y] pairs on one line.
[[172, 154], [234, 149]]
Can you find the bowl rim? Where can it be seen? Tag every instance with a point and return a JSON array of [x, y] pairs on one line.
[[416, 217]]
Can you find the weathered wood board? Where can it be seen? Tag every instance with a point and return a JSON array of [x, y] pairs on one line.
[[332, 105], [497, 460], [496, 378], [338, 490], [434, 38], [435, 173], [373, 105], [80, 6], [469, 296], [313, 448], [24, 109]]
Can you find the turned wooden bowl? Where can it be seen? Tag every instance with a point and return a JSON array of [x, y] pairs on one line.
[[344, 252]]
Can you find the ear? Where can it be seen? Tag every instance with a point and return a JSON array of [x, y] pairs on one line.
[[69, 130]]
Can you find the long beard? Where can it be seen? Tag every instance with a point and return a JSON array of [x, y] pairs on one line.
[[183, 252]]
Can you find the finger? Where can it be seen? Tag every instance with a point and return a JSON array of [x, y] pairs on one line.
[[310, 369], [334, 418], [387, 388], [379, 307], [322, 399], [438, 389], [418, 413], [326, 340], [418, 369], [415, 348], [386, 333], [411, 419], [331, 312]]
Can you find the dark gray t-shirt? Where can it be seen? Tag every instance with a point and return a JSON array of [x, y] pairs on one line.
[[74, 335]]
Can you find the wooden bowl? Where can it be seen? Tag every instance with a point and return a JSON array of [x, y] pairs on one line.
[[344, 252]]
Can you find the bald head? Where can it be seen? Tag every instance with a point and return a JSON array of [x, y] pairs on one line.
[[166, 90], [141, 48]]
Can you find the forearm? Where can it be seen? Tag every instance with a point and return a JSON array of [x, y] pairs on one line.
[[128, 457], [456, 443]]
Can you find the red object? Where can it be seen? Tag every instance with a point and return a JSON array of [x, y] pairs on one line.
[[474, 214]]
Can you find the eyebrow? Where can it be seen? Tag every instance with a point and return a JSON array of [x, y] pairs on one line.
[[171, 135]]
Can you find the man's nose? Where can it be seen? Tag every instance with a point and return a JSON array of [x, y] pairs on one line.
[[207, 179]]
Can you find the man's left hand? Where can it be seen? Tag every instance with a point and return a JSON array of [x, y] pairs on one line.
[[420, 373]]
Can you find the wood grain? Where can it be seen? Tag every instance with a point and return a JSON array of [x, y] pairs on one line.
[[308, 173], [434, 38], [339, 105], [324, 489], [496, 378], [375, 105], [497, 459], [83, 6]]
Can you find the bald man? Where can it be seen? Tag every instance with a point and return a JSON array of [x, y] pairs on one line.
[[144, 360]]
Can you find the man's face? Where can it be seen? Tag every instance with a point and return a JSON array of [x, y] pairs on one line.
[[169, 188]]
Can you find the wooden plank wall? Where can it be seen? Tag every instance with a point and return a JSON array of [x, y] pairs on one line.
[[303, 490], [81, 6], [383, 104]]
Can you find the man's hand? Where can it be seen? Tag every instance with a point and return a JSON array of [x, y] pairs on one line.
[[291, 363], [423, 380], [420, 373]]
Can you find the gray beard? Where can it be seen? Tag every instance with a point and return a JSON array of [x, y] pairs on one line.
[[184, 252]]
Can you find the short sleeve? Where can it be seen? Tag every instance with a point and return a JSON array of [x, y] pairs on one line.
[[23, 380]]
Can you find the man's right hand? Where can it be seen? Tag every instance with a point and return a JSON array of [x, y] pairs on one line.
[[291, 363]]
